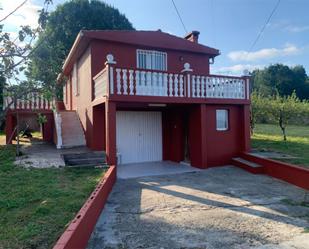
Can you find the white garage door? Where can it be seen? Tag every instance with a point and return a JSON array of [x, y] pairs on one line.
[[139, 136]]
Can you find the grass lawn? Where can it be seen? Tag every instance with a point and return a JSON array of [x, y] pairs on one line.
[[269, 137], [36, 205]]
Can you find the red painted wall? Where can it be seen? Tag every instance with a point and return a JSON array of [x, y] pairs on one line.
[[99, 128], [293, 174], [223, 145], [125, 56], [207, 146], [197, 131]]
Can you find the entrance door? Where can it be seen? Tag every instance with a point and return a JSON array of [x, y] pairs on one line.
[[139, 136]]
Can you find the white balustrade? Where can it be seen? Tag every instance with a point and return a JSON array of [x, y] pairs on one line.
[[30, 101], [194, 86], [176, 85], [165, 84], [181, 86], [131, 90], [118, 79], [170, 83], [153, 83], [125, 82], [100, 84]]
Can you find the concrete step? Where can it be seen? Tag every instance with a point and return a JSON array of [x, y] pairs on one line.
[[88, 158], [85, 161], [248, 165], [92, 154]]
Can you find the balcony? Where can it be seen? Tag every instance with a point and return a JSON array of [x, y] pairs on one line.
[[130, 84], [29, 102]]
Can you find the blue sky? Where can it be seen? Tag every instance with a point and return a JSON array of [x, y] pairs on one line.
[[229, 25]]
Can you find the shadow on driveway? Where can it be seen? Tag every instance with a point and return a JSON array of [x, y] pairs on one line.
[[222, 207]]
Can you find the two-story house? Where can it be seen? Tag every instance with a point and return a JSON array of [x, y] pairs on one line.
[[149, 96]]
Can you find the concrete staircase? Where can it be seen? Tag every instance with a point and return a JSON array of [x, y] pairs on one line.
[[247, 165], [72, 133], [88, 159]]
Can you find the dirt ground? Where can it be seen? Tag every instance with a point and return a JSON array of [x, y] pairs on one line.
[[222, 207]]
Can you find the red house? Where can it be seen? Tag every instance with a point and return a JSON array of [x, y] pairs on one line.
[[149, 96]]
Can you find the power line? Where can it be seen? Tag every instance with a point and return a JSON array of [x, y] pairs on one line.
[[183, 25], [263, 28], [12, 12]]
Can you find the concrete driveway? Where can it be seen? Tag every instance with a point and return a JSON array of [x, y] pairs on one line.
[[222, 207]]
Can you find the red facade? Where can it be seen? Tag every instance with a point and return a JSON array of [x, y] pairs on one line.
[[187, 97]]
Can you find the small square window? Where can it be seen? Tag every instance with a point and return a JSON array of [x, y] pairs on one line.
[[222, 118]]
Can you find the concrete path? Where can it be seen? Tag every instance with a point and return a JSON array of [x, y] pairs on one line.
[[45, 155], [126, 171], [222, 207]]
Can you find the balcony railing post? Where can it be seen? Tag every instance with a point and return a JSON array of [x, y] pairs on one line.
[[110, 72], [246, 87], [187, 79]]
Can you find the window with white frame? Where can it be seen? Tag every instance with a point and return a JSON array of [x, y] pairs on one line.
[[150, 59], [222, 120], [65, 93], [75, 80]]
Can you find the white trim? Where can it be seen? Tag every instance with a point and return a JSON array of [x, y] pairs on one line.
[[222, 113], [58, 121]]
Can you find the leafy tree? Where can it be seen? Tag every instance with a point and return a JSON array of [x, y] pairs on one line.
[[280, 110], [15, 53], [281, 79], [62, 27], [284, 109]]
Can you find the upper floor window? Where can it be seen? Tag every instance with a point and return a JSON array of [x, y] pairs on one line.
[[150, 59], [222, 118]]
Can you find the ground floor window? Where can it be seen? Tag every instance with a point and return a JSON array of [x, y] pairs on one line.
[[222, 120]]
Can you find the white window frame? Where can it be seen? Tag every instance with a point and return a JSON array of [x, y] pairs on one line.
[[75, 80], [65, 93], [151, 59], [222, 119]]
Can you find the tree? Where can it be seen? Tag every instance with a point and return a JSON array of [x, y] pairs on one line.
[[280, 110], [281, 79], [14, 57], [284, 109], [62, 27]]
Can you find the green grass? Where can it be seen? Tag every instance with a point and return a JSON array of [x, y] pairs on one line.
[[269, 137], [36, 205]]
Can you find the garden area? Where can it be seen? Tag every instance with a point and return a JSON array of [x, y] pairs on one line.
[[268, 137], [36, 205]]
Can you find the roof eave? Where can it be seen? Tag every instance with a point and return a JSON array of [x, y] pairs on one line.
[[72, 51]]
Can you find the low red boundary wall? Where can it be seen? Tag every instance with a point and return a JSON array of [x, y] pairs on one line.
[[287, 172], [77, 234]]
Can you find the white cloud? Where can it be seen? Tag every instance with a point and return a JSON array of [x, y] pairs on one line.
[[265, 53], [297, 29], [25, 15], [286, 25], [237, 69]]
